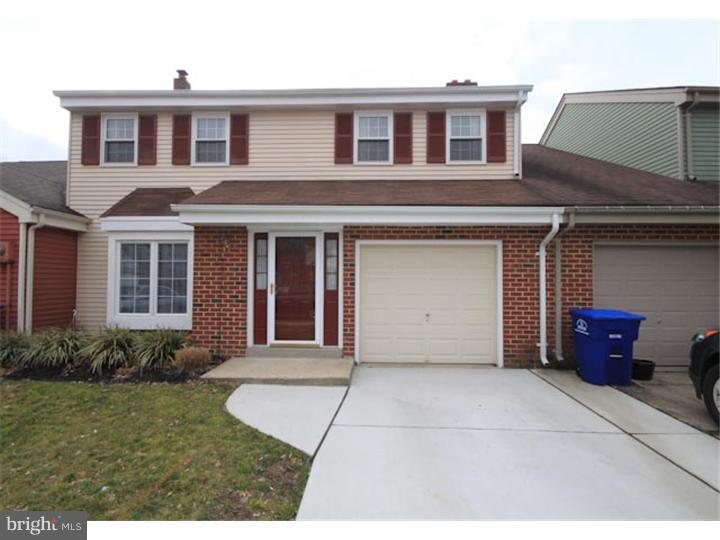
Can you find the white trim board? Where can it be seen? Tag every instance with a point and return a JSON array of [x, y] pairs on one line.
[[210, 214], [499, 283]]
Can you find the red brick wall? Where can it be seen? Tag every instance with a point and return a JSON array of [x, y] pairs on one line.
[[577, 259], [9, 232], [54, 277], [220, 289], [220, 284]]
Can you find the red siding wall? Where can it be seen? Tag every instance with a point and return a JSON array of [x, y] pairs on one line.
[[54, 279], [220, 289], [9, 232]]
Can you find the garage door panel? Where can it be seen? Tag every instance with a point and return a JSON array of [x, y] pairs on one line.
[[455, 286], [674, 286]]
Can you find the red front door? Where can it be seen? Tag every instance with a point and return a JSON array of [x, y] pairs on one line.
[[295, 289]]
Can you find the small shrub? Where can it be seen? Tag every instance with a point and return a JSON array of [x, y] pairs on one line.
[[156, 349], [53, 348], [12, 346], [110, 348], [192, 358]]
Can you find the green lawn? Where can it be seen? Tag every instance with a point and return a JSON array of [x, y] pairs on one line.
[[141, 451]]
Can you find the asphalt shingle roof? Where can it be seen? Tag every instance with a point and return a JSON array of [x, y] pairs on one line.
[[37, 183]]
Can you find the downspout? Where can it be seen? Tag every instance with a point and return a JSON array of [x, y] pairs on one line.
[[558, 284], [688, 136], [543, 287], [22, 264], [31, 272]]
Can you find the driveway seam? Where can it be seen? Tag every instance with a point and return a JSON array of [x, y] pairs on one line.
[[632, 435], [332, 420], [521, 430]]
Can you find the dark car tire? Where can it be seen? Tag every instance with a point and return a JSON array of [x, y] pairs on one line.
[[709, 381]]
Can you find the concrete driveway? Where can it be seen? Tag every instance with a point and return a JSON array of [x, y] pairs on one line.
[[465, 443]]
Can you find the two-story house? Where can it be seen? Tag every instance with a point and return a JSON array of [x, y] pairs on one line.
[[673, 131], [385, 224]]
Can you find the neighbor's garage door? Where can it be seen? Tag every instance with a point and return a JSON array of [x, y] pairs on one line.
[[675, 287], [428, 303]]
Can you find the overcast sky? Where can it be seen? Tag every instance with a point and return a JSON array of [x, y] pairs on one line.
[[377, 44]]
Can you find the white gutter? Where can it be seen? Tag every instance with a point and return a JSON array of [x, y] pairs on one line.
[[31, 272], [558, 286], [543, 287], [221, 214], [22, 253]]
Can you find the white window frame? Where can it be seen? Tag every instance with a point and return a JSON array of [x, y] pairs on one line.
[[151, 320], [195, 117], [356, 136], [483, 134], [103, 138]]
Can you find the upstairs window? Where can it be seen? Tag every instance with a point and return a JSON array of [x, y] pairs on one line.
[[373, 137], [466, 137], [210, 145], [119, 140]]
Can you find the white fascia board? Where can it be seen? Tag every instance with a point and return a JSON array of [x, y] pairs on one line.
[[20, 209], [363, 215], [149, 224], [470, 95], [51, 218]]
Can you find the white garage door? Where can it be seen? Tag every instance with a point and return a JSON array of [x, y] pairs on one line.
[[428, 303], [675, 287]]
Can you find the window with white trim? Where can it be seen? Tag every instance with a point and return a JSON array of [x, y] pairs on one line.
[[466, 137], [150, 280], [210, 145], [119, 140], [373, 137]]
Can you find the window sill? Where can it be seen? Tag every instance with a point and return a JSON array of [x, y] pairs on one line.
[[121, 165], [466, 162], [373, 163], [196, 164], [151, 322]]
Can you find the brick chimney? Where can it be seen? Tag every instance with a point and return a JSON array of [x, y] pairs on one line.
[[466, 82], [181, 82]]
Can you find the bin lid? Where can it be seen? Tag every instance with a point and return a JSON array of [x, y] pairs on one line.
[[607, 314]]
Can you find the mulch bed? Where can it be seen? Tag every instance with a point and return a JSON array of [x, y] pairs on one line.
[[118, 376]]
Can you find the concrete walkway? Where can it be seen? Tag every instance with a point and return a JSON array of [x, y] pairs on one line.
[[464, 443], [279, 370], [297, 415]]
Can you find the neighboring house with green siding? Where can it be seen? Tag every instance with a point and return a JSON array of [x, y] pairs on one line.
[[672, 131]]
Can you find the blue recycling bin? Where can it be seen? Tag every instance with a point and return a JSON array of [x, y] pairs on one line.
[[604, 341]]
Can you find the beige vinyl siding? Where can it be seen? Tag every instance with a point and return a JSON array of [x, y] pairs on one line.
[[284, 145]]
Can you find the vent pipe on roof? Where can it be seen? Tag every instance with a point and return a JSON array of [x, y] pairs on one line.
[[181, 82]]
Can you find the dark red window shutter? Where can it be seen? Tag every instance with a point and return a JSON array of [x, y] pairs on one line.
[[147, 139], [239, 139], [343, 137], [436, 137], [90, 154], [402, 145], [496, 137], [181, 141], [330, 307]]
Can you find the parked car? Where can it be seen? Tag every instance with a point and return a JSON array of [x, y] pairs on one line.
[[704, 369]]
